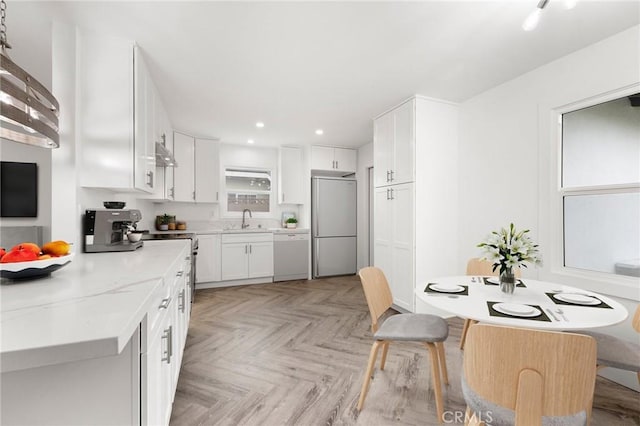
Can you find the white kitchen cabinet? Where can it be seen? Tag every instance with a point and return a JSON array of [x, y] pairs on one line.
[[197, 177], [247, 255], [394, 141], [207, 171], [208, 259], [115, 104], [167, 322], [415, 216], [336, 160], [394, 240], [183, 175], [290, 175]]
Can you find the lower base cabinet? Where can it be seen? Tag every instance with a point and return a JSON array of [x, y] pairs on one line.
[[247, 256]]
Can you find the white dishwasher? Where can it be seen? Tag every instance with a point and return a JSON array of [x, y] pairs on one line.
[[290, 256]]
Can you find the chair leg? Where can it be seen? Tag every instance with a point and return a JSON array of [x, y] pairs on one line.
[[367, 375], [465, 328], [435, 372], [383, 360], [443, 363]]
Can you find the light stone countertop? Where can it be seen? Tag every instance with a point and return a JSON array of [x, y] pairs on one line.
[[88, 309]]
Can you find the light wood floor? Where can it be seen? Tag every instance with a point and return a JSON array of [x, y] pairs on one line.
[[294, 354]]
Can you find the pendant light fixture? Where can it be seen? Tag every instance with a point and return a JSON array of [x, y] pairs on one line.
[[29, 112]]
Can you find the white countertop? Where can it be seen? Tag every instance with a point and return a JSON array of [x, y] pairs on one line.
[[204, 231], [88, 309]]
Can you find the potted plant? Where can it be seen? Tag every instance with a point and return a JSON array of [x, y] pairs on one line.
[[162, 222], [292, 222]]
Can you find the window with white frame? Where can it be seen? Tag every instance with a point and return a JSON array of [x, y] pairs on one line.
[[248, 189], [600, 187]]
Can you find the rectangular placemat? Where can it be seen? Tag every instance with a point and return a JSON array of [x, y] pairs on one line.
[[541, 317], [486, 282], [428, 289], [562, 302]]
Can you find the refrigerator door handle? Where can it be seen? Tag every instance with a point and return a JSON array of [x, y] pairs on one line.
[[316, 255], [314, 208]]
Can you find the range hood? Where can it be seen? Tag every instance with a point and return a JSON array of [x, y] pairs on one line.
[[164, 157]]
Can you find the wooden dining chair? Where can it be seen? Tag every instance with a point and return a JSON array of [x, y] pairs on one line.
[[523, 377], [431, 330], [483, 268], [618, 353]]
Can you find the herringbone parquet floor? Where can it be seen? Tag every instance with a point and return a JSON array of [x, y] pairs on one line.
[[294, 354]]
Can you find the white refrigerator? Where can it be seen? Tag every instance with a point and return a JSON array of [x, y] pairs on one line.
[[333, 226]]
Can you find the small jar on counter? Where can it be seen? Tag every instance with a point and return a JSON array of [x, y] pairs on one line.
[[181, 225]]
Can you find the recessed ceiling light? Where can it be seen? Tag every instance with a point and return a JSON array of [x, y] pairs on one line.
[[260, 124], [319, 132], [250, 141]]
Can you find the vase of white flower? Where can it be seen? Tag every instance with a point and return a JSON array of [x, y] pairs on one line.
[[508, 249], [507, 281]]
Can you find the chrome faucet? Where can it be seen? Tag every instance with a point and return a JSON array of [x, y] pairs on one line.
[[243, 218]]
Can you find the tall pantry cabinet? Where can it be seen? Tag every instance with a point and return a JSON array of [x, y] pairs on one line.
[[415, 199]]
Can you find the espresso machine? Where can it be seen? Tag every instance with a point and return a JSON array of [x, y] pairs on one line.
[[106, 229]]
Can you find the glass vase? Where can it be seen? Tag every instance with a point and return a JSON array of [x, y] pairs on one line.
[[507, 281]]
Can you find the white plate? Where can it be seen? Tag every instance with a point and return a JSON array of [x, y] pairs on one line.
[[34, 268], [579, 299], [447, 288], [517, 309], [493, 280]]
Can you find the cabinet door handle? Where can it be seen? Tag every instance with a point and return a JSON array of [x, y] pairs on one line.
[[168, 337], [150, 178], [179, 273], [388, 194], [181, 305], [249, 248], [217, 196], [337, 164], [172, 192], [391, 172], [193, 195], [392, 197], [387, 175], [283, 197], [246, 250], [165, 303]]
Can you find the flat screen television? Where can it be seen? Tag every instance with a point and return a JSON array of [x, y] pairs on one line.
[[18, 189]]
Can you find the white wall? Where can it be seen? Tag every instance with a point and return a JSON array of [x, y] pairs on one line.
[[365, 161], [507, 164]]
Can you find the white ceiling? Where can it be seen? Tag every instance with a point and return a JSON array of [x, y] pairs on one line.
[[299, 66]]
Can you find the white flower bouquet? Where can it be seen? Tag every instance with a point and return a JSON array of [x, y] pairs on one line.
[[508, 248]]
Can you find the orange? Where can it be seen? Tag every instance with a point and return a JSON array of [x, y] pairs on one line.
[[27, 246], [56, 248]]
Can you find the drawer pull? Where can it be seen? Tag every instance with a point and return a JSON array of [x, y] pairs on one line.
[[179, 273], [168, 336], [165, 303]]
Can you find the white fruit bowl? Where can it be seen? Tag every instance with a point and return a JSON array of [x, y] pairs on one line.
[[34, 268]]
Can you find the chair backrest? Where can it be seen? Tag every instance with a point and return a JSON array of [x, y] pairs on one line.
[[377, 292], [636, 320], [482, 267], [532, 372]]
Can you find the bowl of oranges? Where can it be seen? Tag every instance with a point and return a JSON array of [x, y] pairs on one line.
[[28, 260]]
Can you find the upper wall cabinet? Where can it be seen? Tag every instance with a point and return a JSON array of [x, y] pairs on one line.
[[197, 177], [336, 161], [116, 106], [290, 176], [394, 142]]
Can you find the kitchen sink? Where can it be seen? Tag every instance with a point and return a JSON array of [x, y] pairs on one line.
[[244, 231]]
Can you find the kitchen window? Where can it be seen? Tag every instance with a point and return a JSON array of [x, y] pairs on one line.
[[600, 187], [248, 189]]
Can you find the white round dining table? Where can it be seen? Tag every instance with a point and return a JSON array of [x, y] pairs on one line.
[[533, 304]]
